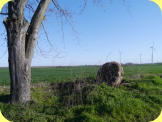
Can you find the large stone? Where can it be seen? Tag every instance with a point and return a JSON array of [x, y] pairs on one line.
[[110, 73]]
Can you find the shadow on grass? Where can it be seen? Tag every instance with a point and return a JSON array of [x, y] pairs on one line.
[[4, 98]]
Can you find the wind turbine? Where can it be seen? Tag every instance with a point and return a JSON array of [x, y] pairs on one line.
[[140, 55], [152, 55]]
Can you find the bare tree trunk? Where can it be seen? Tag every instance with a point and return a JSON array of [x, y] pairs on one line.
[[19, 66], [20, 76], [21, 38]]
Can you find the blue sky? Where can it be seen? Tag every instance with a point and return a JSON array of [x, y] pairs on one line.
[[130, 28]]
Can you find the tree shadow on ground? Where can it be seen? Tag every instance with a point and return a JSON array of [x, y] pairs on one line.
[[4, 98]]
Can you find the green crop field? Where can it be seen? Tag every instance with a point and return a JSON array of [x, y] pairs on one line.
[[54, 74], [55, 99], [66, 74]]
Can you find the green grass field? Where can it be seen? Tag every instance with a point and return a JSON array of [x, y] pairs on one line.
[[66, 74], [56, 100], [55, 74]]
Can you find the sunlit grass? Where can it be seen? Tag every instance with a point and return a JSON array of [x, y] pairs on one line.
[[140, 100]]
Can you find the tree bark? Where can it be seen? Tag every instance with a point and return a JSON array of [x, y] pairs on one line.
[[21, 38], [19, 67]]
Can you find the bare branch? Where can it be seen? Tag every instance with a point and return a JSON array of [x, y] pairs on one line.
[[64, 14], [46, 34], [4, 14], [34, 26], [83, 7], [62, 11]]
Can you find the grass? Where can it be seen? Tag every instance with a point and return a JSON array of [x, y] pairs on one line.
[[56, 74], [139, 101], [66, 74]]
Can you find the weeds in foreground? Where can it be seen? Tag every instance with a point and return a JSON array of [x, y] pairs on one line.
[[84, 100]]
